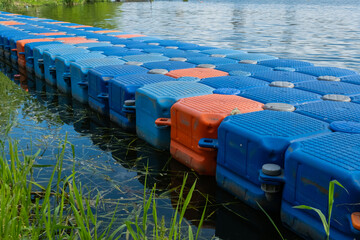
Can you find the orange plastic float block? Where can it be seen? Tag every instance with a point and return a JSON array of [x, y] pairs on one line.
[[20, 48], [130, 35], [106, 31], [199, 117], [9, 23], [355, 219], [79, 26], [197, 72]]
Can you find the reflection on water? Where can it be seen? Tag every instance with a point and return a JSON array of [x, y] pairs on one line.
[[114, 162]]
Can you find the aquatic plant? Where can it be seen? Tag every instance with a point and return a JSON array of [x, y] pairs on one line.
[[325, 222]]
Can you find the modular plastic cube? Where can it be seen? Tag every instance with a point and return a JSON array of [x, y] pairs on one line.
[[310, 165], [175, 53], [285, 63], [217, 61], [99, 78], [154, 101], [330, 87], [168, 65], [326, 71], [78, 72], [122, 91], [237, 82], [20, 49], [247, 142], [251, 69], [354, 79], [116, 51], [283, 76], [199, 117], [270, 94], [330, 111], [251, 56], [222, 51], [196, 72], [144, 58], [49, 59], [62, 78]]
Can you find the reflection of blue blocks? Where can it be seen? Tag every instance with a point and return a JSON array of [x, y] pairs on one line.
[[285, 63], [248, 141], [99, 78], [326, 71], [330, 111], [330, 87], [62, 64], [168, 65], [310, 166], [49, 60], [281, 95], [293, 77], [154, 101], [237, 82], [39, 57], [79, 70], [123, 88], [243, 67]]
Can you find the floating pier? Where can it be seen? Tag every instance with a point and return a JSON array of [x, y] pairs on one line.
[[273, 131]]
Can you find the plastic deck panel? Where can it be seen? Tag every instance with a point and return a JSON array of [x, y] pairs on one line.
[[168, 65], [173, 53], [154, 101], [199, 117], [123, 88], [200, 73], [330, 111], [99, 78], [217, 61], [116, 51], [354, 79], [250, 68], [38, 55], [62, 79], [237, 82], [293, 77], [78, 72], [281, 95], [145, 58], [248, 141], [326, 71], [285, 63], [310, 166], [222, 51], [330, 87], [50, 55], [251, 56]]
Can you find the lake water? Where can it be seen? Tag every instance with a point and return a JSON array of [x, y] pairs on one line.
[[112, 161]]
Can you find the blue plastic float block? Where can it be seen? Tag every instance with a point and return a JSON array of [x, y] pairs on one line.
[[222, 51], [285, 63], [99, 78], [293, 77], [116, 51], [78, 73], [141, 45], [50, 55], [281, 95], [91, 29], [172, 53], [154, 101], [94, 44], [310, 165], [62, 78], [326, 71], [38, 56], [165, 43], [168, 65], [249, 68], [142, 39], [217, 61], [123, 88], [237, 82], [248, 141], [354, 79], [330, 87], [251, 56], [145, 58], [330, 111], [29, 54], [194, 47]]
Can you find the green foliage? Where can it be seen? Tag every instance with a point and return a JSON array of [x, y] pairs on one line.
[[325, 222]]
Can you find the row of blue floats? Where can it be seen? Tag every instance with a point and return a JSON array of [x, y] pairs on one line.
[[306, 133]]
